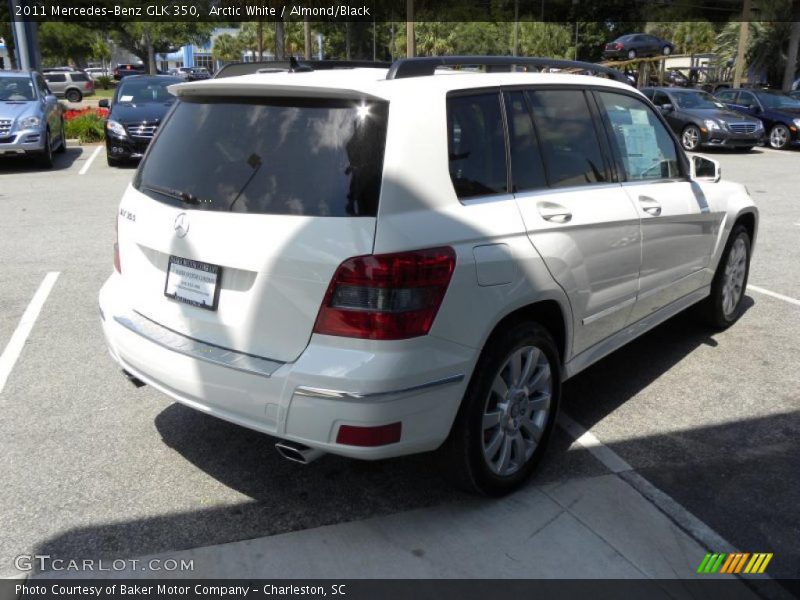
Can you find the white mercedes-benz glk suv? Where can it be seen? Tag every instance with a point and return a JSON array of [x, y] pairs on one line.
[[374, 262]]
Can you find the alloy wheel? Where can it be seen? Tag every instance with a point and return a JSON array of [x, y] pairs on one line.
[[778, 137], [690, 138], [733, 279], [516, 410]]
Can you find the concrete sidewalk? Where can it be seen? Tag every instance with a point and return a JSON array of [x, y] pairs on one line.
[[596, 527]]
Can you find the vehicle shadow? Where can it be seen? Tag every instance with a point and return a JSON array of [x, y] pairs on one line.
[[284, 496], [23, 164]]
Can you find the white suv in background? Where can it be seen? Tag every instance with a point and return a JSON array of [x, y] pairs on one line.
[[375, 263]]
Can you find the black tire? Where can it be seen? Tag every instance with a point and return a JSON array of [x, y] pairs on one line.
[[462, 455], [713, 308], [45, 158], [690, 138], [779, 137], [62, 148], [631, 54], [73, 96]]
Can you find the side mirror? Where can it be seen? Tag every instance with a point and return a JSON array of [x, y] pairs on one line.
[[103, 103], [50, 99], [754, 107], [666, 108], [705, 169]]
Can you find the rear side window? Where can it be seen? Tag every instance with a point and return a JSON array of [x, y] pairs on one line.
[[78, 77], [643, 143], [527, 171], [569, 143], [55, 77], [281, 156], [476, 145]]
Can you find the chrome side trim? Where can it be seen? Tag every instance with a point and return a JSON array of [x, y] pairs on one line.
[[608, 311], [312, 392], [591, 355], [176, 342]]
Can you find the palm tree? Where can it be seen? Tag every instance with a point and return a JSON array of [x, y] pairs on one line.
[[226, 48]]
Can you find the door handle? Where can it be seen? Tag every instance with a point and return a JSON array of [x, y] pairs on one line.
[[554, 212], [650, 205]]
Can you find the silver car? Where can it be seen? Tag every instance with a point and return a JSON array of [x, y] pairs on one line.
[[72, 85], [31, 122]]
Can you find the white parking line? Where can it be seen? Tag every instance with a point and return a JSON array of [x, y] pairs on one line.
[[89, 162], [761, 290], [665, 503], [17, 342]]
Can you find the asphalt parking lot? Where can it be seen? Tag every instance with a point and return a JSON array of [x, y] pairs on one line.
[[93, 467]]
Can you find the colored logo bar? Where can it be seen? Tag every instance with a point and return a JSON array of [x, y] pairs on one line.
[[734, 562]]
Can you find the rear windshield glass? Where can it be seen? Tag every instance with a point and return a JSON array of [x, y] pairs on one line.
[[282, 157]]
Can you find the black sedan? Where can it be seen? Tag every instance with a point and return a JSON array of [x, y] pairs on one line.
[[779, 112], [699, 119], [137, 109], [637, 45]]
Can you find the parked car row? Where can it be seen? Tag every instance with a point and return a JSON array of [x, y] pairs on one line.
[[734, 118]]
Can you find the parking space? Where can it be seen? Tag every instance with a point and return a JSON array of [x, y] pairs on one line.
[[93, 467]]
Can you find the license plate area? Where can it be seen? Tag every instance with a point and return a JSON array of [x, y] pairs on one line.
[[193, 282]]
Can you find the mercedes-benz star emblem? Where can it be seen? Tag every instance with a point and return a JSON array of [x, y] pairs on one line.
[[181, 225]]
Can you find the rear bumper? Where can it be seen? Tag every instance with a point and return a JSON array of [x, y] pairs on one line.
[[335, 382], [28, 141]]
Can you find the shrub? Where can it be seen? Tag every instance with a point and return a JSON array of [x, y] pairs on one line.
[[87, 127], [104, 81]]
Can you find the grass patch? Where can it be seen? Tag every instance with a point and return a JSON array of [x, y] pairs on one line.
[[87, 128]]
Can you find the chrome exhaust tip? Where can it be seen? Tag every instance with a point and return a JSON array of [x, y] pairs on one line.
[[297, 452]]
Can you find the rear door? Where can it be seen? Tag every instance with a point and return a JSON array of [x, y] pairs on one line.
[[243, 209], [678, 228], [579, 220]]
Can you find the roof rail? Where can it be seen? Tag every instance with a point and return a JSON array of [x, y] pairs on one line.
[[292, 65], [427, 65]]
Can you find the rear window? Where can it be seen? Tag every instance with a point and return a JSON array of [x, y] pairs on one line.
[[55, 77], [277, 156], [79, 77]]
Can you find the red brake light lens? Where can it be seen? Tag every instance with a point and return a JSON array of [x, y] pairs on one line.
[[386, 296]]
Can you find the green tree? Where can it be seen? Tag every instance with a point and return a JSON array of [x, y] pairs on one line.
[[145, 40], [551, 40], [689, 37], [226, 48], [65, 43]]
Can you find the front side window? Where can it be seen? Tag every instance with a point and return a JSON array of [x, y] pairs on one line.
[[476, 145], [570, 147], [269, 156], [660, 99], [645, 146]]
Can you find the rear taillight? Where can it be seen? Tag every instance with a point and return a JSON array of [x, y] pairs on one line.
[[87, 85], [386, 296], [117, 264]]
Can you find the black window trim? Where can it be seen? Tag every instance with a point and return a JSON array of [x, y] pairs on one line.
[[683, 161]]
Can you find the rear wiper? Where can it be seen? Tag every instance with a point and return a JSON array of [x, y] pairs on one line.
[[185, 197]]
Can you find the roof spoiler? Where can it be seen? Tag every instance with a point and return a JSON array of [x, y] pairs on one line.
[[427, 65], [293, 65]]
